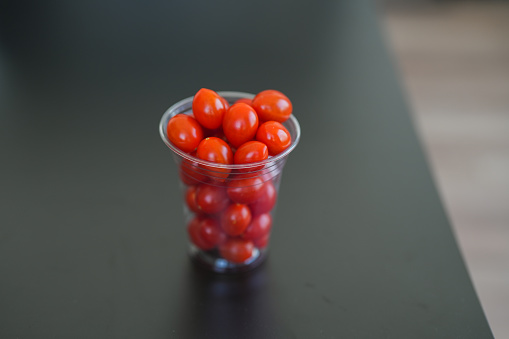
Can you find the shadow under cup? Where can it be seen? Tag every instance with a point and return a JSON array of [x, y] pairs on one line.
[[212, 192]]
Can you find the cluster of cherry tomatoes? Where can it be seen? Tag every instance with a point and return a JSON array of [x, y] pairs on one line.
[[231, 209]]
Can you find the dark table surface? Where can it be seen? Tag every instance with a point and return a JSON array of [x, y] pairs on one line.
[[92, 242]]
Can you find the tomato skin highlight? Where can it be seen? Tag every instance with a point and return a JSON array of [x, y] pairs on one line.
[[259, 227], [240, 124], [272, 105], [275, 136], [266, 201], [184, 132], [251, 151], [245, 190], [211, 232], [205, 233], [193, 230], [209, 108], [225, 103], [215, 150], [211, 199], [236, 250], [235, 219], [191, 199]]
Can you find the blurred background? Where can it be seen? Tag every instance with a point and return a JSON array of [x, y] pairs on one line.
[[453, 59]]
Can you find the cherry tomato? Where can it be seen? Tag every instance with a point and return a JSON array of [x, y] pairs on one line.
[[194, 230], [272, 105], [245, 101], [225, 102], [263, 241], [211, 232], [191, 173], [215, 150], [251, 151], [267, 200], [184, 132], [245, 190], [211, 199], [260, 226], [236, 250], [240, 124], [275, 136], [208, 108], [191, 199], [235, 219]]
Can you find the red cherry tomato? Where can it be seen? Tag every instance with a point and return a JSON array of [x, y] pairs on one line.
[[272, 105], [236, 250], [240, 124], [267, 200], [194, 230], [226, 103], [275, 136], [215, 150], [262, 242], [191, 199], [211, 199], [191, 173], [245, 101], [260, 226], [211, 232], [235, 219], [251, 151], [184, 132], [245, 190], [208, 108]]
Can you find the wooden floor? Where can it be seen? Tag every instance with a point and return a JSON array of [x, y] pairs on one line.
[[453, 58]]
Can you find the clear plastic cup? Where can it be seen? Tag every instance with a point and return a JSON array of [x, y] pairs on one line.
[[217, 196]]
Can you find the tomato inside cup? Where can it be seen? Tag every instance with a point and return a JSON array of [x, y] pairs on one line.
[[230, 152]]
